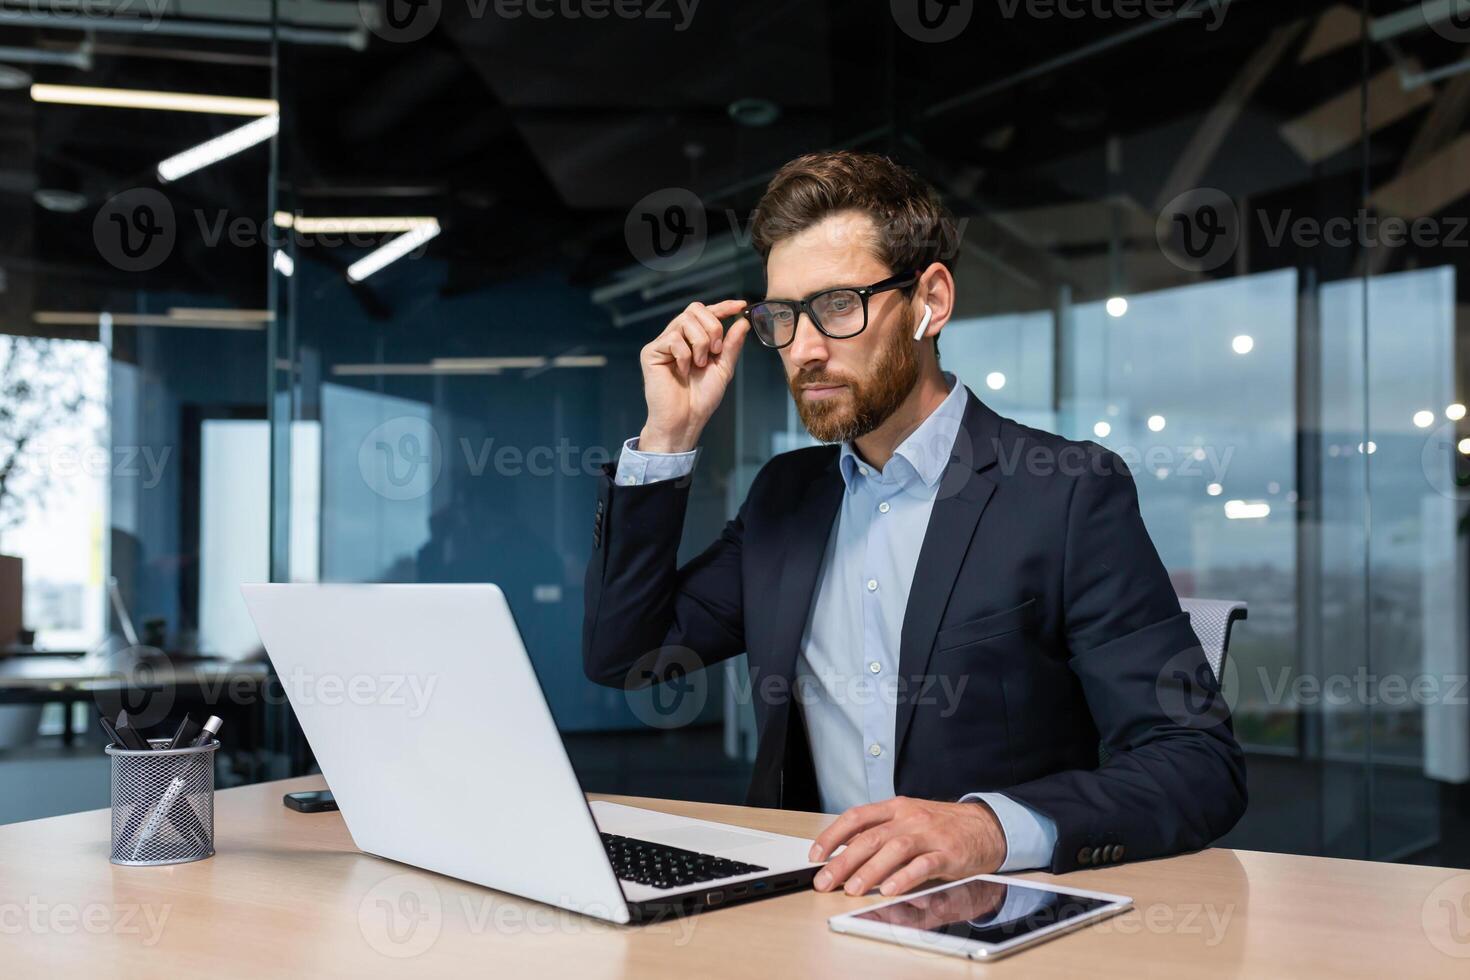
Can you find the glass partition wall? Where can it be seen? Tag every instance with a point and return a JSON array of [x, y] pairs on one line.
[[1227, 243]]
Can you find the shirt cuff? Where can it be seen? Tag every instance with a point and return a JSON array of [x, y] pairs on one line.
[[637, 468], [1030, 836]]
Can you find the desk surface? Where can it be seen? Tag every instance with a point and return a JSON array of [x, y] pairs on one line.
[[118, 671], [287, 895]]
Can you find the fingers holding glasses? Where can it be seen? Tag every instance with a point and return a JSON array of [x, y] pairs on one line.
[[695, 337]]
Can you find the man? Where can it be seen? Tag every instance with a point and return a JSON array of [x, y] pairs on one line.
[[945, 605]]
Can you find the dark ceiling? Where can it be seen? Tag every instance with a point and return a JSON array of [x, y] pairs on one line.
[[530, 138]]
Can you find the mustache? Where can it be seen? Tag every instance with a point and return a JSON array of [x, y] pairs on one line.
[[811, 377]]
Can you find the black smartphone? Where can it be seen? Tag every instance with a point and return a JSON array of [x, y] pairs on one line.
[[315, 801]]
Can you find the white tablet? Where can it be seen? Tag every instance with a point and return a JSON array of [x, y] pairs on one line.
[[980, 918]]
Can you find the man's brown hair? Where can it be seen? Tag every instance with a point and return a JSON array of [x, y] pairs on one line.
[[914, 228]]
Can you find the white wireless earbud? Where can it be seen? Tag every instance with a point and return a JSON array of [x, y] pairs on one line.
[[924, 323]]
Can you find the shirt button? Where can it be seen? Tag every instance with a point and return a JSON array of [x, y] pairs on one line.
[[863, 470], [628, 480], [875, 667], [875, 750], [872, 585], [883, 508]]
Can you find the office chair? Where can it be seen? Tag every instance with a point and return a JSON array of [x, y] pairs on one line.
[[1212, 619]]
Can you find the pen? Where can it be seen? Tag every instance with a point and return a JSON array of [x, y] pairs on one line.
[[155, 819], [128, 735], [111, 732], [184, 737], [171, 795], [209, 731]]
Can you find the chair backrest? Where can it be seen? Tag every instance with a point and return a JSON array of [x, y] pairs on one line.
[[1211, 619]]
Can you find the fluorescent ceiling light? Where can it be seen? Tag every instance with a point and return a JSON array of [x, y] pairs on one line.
[[475, 363], [471, 365], [346, 225], [126, 98], [374, 370], [1244, 510], [220, 315], [355, 226], [222, 146], [391, 252], [284, 264], [177, 317]]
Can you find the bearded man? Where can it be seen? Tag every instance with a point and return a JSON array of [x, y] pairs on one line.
[[959, 634]]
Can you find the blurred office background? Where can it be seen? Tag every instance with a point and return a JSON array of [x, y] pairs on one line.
[[1227, 239]]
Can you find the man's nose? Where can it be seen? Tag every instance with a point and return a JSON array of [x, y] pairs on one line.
[[809, 346]]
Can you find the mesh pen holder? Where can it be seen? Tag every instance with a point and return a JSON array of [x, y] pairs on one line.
[[162, 804]]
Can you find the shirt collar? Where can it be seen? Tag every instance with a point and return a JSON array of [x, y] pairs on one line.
[[924, 455]]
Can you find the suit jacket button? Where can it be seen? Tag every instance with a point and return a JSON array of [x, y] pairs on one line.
[[1117, 854], [1084, 856], [1099, 855]]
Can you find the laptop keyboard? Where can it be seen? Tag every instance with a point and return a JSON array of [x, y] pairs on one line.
[[662, 866]]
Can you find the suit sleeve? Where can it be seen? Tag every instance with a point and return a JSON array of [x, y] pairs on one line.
[[1173, 778], [645, 618]]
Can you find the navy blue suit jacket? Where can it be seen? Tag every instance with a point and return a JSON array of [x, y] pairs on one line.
[[1086, 695]]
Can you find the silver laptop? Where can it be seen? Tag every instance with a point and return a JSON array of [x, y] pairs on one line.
[[425, 715]]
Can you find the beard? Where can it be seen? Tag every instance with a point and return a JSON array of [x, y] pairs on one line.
[[869, 401]]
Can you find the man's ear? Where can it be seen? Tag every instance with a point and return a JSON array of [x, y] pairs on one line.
[[936, 292]]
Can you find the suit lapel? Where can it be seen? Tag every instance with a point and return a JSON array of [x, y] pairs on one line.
[[807, 534], [963, 495]]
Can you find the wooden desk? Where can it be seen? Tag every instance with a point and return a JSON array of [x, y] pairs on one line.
[[288, 896]]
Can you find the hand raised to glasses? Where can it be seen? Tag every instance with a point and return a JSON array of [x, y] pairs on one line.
[[686, 370]]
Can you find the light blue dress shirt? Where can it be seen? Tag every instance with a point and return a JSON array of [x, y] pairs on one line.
[[847, 677]]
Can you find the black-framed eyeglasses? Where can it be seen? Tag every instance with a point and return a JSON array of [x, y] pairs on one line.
[[838, 313]]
